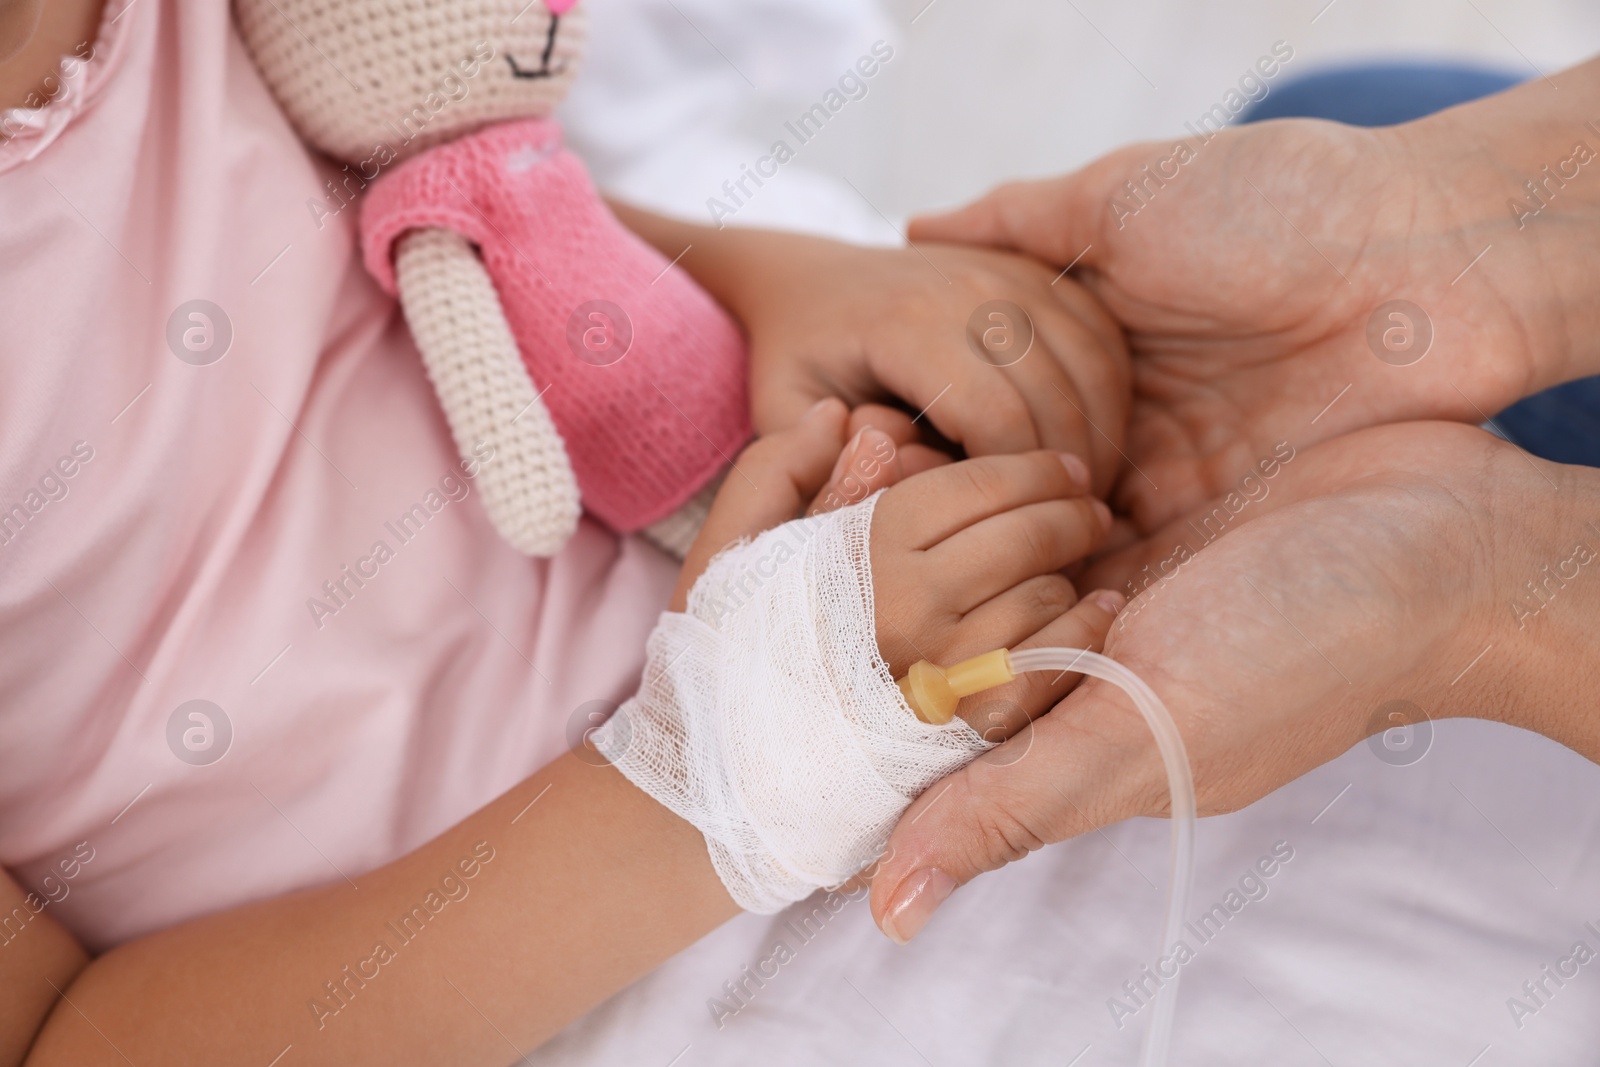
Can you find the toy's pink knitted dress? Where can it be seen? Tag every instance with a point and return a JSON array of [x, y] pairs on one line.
[[643, 373]]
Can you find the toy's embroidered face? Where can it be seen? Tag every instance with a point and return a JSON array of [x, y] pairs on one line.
[[543, 70], [355, 75]]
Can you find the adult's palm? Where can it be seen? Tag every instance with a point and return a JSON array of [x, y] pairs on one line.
[[1247, 280]]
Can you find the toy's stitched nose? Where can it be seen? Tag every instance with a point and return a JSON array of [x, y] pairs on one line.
[[560, 7]]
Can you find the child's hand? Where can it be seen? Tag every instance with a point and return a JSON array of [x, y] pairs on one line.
[[830, 319], [766, 721], [871, 324], [832, 458], [966, 557]]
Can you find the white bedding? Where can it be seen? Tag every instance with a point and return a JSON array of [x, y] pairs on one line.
[[1413, 908], [1418, 901], [667, 108]]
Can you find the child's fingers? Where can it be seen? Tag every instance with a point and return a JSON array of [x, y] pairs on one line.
[[988, 416], [1002, 551], [1016, 614], [1093, 395], [1001, 712], [925, 510], [769, 483], [883, 451], [1053, 398], [892, 421], [915, 457], [869, 462], [1047, 381]]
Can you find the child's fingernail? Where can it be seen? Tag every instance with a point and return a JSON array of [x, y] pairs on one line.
[[1077, 469], [1108, 600], [919, 897], [819, 406], [842, 464], [1102, 513]]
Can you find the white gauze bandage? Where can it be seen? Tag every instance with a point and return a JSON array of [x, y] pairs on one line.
[[768, 719]]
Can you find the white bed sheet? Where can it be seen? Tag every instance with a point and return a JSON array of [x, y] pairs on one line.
[[1415, 906]]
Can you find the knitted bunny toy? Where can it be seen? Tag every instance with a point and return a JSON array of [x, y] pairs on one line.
[[569, 360]]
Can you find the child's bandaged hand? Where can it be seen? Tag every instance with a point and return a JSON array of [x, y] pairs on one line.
[[919, 324], [831, 458], [769, 716], [966, 557]]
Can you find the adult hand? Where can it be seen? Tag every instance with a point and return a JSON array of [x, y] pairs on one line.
[[1249, 271], [1379, 568]]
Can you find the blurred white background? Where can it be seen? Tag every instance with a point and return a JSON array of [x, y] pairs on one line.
[[977, 91], [1008, 87]]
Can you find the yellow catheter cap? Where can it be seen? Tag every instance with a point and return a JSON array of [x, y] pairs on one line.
[[933, 691]]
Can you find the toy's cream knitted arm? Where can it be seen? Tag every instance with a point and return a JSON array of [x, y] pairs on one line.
[[455, 317]]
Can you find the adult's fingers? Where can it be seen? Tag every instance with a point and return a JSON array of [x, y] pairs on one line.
[[1088, 763], [1059, 220], [923, 511], [1030, 216], [768, 485], [1043, 218]]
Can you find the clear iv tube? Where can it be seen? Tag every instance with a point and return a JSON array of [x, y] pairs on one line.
[[1180, 783]]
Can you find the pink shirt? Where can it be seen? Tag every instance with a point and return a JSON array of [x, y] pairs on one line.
[[172, 520]]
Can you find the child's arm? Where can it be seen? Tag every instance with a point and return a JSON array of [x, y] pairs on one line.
[[917, 324], [530, 912], [590, 887], [37, 957]]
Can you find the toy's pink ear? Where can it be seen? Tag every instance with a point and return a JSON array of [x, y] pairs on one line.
[[560, 7]]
